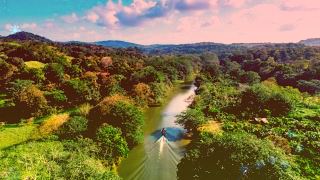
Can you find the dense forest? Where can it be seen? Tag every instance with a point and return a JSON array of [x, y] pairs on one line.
[[73, 110], [256, 116]]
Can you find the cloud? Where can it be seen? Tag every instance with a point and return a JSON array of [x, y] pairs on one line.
[[300, 5], [287, 27], [187, 5], [13, 28], [139, 11], [232, 3], [70, 18]]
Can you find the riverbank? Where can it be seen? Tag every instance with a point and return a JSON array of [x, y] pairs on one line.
[[138, 165]]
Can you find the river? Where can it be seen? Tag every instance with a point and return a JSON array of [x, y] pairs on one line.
[[157, 157]]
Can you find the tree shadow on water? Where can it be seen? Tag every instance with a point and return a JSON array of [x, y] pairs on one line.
[[172, 134]]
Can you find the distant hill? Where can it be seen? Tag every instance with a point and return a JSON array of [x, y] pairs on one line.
[[24, 36], [311, 42], [117, 44]]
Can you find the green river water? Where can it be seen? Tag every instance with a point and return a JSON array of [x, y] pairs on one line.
[[157, 157]]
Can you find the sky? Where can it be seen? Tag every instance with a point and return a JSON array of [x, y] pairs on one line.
[[164, 21]]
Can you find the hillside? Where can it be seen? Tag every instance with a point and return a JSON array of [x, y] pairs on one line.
[[117, 44], [23, 36], [311, 42]]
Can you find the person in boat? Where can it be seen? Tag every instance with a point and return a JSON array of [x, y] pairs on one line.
[[163, 132]]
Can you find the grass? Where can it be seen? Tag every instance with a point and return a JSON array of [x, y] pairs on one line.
[[3, 100], [15, 44], [52, 124], [211, 127], [34, 64], [14, 135]]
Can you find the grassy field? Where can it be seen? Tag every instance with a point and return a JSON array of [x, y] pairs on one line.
[[14, 134], [34, 64]]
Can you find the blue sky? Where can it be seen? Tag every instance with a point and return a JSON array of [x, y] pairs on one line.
[[164, 21]]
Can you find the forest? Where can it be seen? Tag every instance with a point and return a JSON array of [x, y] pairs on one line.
[[256, 116], [74, 111]]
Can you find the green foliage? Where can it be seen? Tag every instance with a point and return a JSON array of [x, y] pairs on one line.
[[122, 114], [113, 145], [111, 85], [6, 70], [74, 127], [36, 75], [250, 77], [28, 97], [78, 91], [56, 97], [50, 160], [191, 119], [54, 72], [312, 86], [258, 99], [235, 156], [147, 75]]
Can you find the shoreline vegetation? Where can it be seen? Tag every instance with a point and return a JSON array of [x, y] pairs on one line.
[[74, 111], [77, 108]]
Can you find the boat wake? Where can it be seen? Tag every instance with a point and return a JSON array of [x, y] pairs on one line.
[[160, 161]]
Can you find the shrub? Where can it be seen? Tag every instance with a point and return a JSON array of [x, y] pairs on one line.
[[74, 127], [113, 144], [54, 72], [56, 97], [52, 160]]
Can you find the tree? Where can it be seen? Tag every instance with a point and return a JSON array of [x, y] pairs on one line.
[[311, 87], [143, 94], [74, 127], [6, 70], [113, 144], [28, 98], [250, 77], [235, 156], [147, 75], [54, 72], [121, 113], [191, 119], [78, 91], [56, 97]]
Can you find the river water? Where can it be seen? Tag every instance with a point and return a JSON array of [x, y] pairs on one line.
[[157, 157]]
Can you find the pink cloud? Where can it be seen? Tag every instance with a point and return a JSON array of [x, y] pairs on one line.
[[70, 18], [304, 5], [233, 3]]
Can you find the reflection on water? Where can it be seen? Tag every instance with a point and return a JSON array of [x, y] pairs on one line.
[[158, 156]]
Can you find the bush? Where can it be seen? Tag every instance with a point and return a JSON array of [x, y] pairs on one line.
[[52, 160], [113, 144], [56, 97], [54, 72], [74, 127]]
